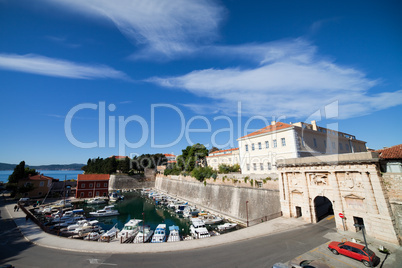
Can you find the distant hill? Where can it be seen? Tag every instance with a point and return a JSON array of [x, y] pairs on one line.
[[4, 166]]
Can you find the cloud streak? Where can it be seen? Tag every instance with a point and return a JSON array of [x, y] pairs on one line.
[[37, 64], [168, 28], [289, 78]]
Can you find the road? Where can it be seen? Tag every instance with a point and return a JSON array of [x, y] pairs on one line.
[[260, 252]]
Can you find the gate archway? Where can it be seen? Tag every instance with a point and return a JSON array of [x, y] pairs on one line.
[[323, 207]]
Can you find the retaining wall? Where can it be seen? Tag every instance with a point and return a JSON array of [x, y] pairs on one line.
[[262, 205], [125, 182]]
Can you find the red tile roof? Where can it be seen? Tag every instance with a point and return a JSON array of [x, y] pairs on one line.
[[40, 177], [169, 155], [118, 157], [394, 152], [267, 129], [93, 177]]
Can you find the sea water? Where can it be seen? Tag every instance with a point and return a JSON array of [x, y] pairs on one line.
[[56, 174]]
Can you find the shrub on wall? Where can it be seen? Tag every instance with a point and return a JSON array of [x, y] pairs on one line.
[[202, 173], [224, 168]]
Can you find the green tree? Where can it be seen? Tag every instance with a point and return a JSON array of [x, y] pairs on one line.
[[21, 172], [213, 149], [192, 156], [202, 173]]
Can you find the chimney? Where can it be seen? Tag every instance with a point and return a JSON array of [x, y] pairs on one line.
[[273, 123], [314, 123]]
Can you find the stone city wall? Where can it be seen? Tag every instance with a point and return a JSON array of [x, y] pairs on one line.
[[125, 182], [393, 187], [224, 198]]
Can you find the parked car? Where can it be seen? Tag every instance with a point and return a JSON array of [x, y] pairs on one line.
[[354, 251], [280, 265], [308, 264]]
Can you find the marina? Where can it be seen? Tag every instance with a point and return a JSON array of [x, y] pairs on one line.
[[139, 216]]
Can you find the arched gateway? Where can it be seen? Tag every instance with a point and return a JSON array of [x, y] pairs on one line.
[[350, 184]]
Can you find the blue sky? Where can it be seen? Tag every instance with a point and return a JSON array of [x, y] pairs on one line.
[[82, 79]]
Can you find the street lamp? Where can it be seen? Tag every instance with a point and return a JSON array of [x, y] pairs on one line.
[[365, 242], [247, 211]]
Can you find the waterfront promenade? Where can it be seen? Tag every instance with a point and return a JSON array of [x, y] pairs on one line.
[[35, 235]]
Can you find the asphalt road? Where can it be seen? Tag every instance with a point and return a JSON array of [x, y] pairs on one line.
[[260, 252]]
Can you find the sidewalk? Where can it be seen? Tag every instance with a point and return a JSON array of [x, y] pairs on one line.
[[35, 235]]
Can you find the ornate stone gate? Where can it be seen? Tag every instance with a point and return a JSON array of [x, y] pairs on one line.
[[351, 182]]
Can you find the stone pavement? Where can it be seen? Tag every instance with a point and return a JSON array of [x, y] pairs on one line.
[[35, 235]]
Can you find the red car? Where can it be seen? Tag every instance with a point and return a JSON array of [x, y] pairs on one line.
[[354, 251]]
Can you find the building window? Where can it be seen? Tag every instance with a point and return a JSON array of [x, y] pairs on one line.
[[91, 185], [97, 193], [259, 146], [40, 193], [283, 142], [315, 142], [261, 166], [255, 166], [248, 166], [98, 185], [325, 144], [41, 184], [275, 144], [267, 144], [83, 185], [252, 147], [246, 147], [347, 147], [82, 194], [90, 194], [105, 184], [333, 145], [340, 146], [269, 166]]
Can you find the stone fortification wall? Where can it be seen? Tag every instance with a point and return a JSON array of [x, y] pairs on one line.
[[263, 204], [125, 182], [393, 186]]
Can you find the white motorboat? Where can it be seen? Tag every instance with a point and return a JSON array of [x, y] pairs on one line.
[[96, 200], [105, 212], [92, 236], [109, 235], [91, 226], [62, 204], [211, 219], [130, 229], [113, 197], [160, 234], [198, 229], [144, 234], [72, 227], [226, 226], [174, 235]]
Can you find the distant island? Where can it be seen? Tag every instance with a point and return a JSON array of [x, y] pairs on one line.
[[5, 166]]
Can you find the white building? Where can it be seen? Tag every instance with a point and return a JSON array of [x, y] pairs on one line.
[[260, 150], [228, 157]]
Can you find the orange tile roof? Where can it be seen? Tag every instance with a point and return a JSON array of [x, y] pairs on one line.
[[394, 152], [267, 129], [118, 156], [39, 177], [93, 177], [169, 155], [221, 151]]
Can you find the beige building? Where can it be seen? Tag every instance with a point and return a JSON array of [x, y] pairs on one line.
[[228, 157], [345, 184], [259, 151]]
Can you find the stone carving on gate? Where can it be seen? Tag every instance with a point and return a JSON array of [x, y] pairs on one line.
[[318, 179], [350, 180]]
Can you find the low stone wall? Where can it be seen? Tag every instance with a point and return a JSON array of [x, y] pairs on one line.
[[262, 204], [393, 187], [125, 182]]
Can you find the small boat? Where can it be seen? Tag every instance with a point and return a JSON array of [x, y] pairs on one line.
[[96, 200], [211, 219], [130, 229], [226, 226], [62, 204], [174, 235], [160, 234], [92, 236], [113, 197], [198, 229], [143, 235], [91, 226], [72, 227], [105, 212], [109, 235]]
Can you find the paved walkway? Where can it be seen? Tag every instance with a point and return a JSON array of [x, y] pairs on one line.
[[35, 235]]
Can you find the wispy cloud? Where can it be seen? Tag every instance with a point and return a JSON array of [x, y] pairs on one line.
[[289, 78], [37, 64], [62, 41], [168, 28]]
